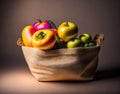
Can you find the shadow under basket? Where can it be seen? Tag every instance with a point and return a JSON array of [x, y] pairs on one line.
[[74, 64]]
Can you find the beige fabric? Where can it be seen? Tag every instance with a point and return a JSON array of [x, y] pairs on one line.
[[62, 64]]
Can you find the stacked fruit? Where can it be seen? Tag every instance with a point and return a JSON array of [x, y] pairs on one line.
[[45, 35]]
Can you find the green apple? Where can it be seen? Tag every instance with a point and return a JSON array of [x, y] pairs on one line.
[[67, 31], [89, 44], [74, 43], [85, 38]]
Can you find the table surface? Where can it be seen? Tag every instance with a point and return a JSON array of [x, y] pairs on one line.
[[19, 80]]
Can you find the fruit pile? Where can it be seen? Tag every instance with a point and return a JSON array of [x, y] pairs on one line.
[[45, 35]]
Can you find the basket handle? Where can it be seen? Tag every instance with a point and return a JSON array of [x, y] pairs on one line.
[[98, 39], [20, 42]]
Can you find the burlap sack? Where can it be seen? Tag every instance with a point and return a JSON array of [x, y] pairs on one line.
[[65, 64]]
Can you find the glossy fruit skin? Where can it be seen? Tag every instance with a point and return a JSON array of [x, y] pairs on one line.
[[27, 33], [43, 39], [59, 43], [90, 44], [39, 25], [55, 31], [74, 43], [85, 38], [67, 31]]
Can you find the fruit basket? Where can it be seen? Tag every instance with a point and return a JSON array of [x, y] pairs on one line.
[[73, 64]]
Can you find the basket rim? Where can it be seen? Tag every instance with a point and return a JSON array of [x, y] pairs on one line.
[[63, 48], [63, 51]]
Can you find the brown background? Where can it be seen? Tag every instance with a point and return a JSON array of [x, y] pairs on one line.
[[91, 16]]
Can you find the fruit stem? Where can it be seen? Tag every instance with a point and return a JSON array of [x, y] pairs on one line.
[[66, 24], [39, 20]]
